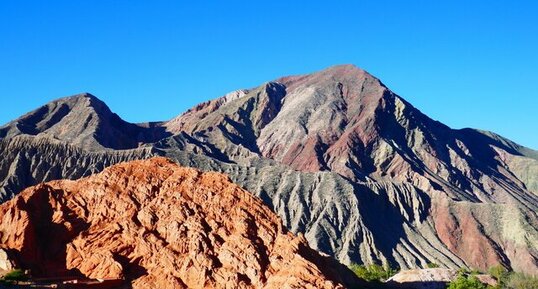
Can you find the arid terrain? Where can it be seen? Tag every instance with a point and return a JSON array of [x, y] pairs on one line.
[[351, 169], [160, 226]]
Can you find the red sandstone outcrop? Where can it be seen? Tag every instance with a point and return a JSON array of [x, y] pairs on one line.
[[160, 226]]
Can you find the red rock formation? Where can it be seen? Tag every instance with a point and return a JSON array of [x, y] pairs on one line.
[[161, 226]]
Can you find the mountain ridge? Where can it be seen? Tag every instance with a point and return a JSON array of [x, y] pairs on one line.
[[83, 120], [367, 177]]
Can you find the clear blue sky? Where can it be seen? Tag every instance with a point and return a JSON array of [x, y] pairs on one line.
[[465, 63]]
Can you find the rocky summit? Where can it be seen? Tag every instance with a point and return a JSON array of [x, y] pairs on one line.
[[159, 225], [361, 173]]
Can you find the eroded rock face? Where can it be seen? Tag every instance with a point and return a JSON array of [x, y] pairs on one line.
[[161, 226], [7, 263], [30, 160]]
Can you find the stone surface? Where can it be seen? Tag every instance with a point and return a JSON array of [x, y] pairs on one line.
[[160, 226], [434, 278], [365, 176], [7, 263], [30, 160]]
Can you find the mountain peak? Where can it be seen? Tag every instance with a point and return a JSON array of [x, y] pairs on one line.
[[76, 98], [83, 120], [347, 74], [83, 95], [343, 68]]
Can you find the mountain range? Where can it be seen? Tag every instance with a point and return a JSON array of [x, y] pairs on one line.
[[340, 158]]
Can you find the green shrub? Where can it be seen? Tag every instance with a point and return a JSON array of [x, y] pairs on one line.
[[505, 280], [360, 271], [373, 272], [13, 277], [466, 282], [432, 265], [521, 281], [463, 271], [475, 271], [500, 274]]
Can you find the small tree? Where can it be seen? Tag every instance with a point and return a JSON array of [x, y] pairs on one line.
[[466, 282], [373, 272], [499, 273]]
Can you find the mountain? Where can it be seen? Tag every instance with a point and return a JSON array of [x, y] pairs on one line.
[[159, 225], [69, 137], [84, 121], [364, 175]]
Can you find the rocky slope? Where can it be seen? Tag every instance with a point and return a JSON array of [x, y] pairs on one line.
[[29, 160], [395, 185], [159, 225], [361, 172], [84, 121]]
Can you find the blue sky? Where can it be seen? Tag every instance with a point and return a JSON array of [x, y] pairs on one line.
[[465, 63]]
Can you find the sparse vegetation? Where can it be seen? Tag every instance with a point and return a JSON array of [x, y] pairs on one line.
[[505, 279], [466, 282], [475, 271], [463, 271], [520, 281], [374, 272], [466, 279], [14, 277], [432, 265], [500, 274]]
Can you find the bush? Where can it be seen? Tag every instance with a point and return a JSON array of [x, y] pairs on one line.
[[475, 271], [373, 272], [14, 276], [432, 265], [500, 274], [521, 281], [466, 282], [505, 280], [463, 271]]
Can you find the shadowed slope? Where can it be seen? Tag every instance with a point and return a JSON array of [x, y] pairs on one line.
[[84, 121]]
